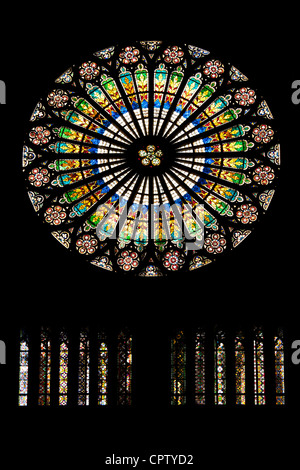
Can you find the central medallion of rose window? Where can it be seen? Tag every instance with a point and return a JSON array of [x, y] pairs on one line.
[[151, 156]]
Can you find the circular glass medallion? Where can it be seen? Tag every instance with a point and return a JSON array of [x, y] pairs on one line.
[[151, 156]]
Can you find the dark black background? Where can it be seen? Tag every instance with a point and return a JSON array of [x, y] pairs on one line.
[[42, 284]]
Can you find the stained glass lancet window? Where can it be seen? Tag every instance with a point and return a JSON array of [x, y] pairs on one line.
[[84, 369], [144, 132], [45, 368], [200, 368], [279, 368], [102, 370], [259, 367], [178, 369], [124, 368], [23, 369], [63, 368], [220, 368], [240, 369]]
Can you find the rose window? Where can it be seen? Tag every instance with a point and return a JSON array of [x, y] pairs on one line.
[[151, 158]]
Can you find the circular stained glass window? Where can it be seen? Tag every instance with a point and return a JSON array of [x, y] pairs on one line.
[[151, 158]]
